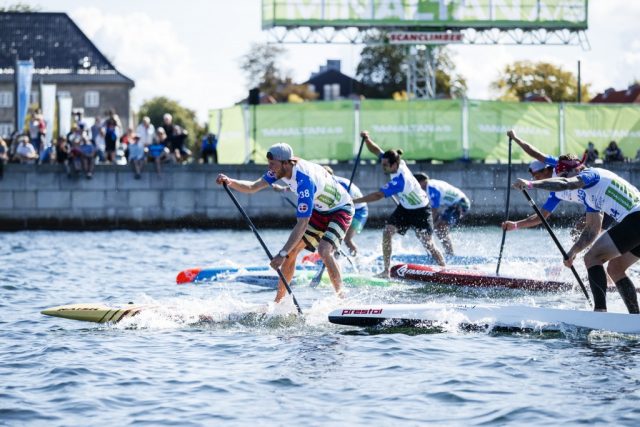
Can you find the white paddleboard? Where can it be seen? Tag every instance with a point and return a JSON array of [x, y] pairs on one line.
[[484, 317]]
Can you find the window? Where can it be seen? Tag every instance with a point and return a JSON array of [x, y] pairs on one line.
[[6, 99], [92, 99], [5, 130]]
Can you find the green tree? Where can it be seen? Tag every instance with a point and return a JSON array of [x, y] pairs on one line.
[[155, 108], [524, 78], [261, 69], [383, 69]]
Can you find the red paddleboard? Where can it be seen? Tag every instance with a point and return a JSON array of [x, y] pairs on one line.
[[187, 276], [445, 276]]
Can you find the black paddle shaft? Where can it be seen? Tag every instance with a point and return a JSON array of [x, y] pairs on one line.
[[504, 232], [264, 246], [555, 239]]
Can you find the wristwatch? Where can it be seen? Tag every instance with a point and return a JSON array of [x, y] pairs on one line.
[[283, 254]]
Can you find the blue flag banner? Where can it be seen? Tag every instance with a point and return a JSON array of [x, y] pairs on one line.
[[24, 75]]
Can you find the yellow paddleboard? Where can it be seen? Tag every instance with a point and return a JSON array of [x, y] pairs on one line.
[[94, 312]]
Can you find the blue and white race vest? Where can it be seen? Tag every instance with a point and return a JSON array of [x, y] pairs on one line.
[[406, 187], [604, 191], [442, 194], [316, 188]]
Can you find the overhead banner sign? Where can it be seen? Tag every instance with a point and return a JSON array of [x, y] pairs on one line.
[[413, 37], [441, 14]]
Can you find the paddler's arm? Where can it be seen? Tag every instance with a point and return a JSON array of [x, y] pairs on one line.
[[371, 146], [528, 148], [589, 234], [294, 238], [371, 197], [528, 222], [241, 185], [550, 184]]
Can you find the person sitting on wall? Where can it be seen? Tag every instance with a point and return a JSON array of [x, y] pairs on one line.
[[4, 156], [87, 156], [591, 154], [209, 149], [63, 153], [613, 153], [25, 152], [158, 152], [136, 155]]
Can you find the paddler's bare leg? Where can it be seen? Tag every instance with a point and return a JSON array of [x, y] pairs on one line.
[[617, 269], [387, 240], [288, 269], [427, 242], [326, 251]]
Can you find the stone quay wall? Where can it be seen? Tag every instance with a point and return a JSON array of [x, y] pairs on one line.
[[44, 197]]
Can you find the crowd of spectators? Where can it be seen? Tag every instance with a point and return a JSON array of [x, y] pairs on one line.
[[612, 154], [104, 142]]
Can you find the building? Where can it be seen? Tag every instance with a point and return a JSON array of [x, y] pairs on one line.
[[630, 95], [330, 84], [64, 56]]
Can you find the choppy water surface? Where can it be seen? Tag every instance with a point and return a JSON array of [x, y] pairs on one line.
[[166, 368]]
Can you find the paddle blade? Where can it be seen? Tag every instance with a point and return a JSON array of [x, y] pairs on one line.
[[187, 276], [317, 278]]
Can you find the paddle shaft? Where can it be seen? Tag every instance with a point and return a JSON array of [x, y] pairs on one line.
[[504, 232], [264, 246], [555, 239]]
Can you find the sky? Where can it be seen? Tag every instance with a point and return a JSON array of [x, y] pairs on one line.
[[190, 50]]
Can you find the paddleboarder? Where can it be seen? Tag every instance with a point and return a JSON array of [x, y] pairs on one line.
[[413, 210], [448, 205], [324, 211], [361, 212], [601, 191]]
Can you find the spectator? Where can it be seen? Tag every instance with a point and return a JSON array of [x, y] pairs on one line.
[[591, 154], [637, 159], [613, 153], [95, 129], [80, 122], [112, 130], [63, 153], [87, 156], [25, 151], [4, 156], [179, 152], [37, 129], [158, 151], [136, 155], [146, 131], [209, 149], [47, 155], [101, 146]]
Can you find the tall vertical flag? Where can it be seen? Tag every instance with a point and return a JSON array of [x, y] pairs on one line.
[[48, 106], [65, 106], [23, 77]]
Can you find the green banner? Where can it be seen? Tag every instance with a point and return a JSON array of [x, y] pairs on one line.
[[423, 130], [315, 130], [231, 140], [601, 124], [489, 121], [438, 14]]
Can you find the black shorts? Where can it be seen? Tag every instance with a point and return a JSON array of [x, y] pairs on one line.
[[626, 234], [419, 219]]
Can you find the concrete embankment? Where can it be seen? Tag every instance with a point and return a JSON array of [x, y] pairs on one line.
[[43, 197]]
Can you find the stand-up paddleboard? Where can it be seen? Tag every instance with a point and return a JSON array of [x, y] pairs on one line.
[[446, 276], [303, 278], [91, 312], [499, 318], [198, 274]]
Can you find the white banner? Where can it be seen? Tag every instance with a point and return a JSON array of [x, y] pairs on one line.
[[48, 105], [65, 106]]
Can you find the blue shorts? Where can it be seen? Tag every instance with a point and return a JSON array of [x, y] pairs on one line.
[[360, 219]]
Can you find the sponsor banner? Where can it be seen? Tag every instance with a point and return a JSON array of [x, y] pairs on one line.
[[231, 134], [24, 77], [601, 124], [413, 37], [489, 121], [315, 130], [48, 105], [65, 106], [422, 129], [507, 14]]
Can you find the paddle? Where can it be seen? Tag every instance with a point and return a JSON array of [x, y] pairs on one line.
[[264, 246], [555, 239], [316, 279], [504, 232]]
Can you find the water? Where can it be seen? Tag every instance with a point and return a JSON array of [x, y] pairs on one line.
[[166, 368]]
